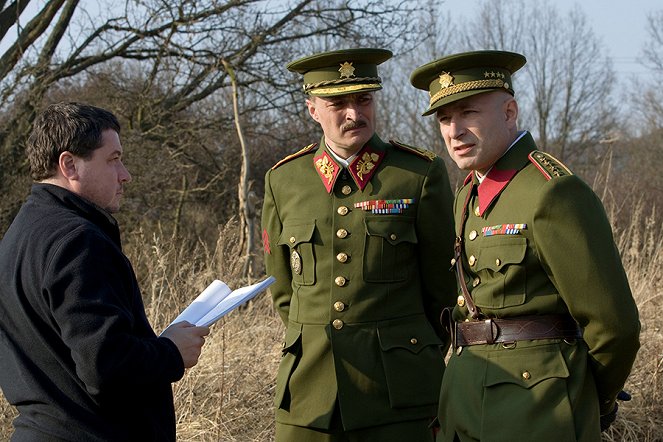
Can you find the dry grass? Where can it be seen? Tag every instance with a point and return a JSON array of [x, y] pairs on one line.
[[228, 395]]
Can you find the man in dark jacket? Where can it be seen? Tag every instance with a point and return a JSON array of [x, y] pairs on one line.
[[79, 359]]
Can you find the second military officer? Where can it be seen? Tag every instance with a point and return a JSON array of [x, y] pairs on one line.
[[358, 234]]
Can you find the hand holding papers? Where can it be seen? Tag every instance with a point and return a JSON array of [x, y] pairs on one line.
[[217, 300]]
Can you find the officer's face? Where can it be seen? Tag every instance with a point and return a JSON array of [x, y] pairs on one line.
[[348, 121], [477, 130]]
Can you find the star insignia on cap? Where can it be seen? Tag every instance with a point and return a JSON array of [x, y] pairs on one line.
[[347, 70], [446, 80]]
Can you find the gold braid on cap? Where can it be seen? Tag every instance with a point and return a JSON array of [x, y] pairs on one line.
[[353, 80], [467, 86]]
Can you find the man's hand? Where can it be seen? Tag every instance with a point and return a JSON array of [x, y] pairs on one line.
[[608, 419], [189, 340]]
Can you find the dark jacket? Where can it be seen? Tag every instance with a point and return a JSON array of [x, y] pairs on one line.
[[361, 258], [79, 360]]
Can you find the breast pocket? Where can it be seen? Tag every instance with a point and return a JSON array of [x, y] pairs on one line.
[[389, 248], [298, 237], [501, 270]]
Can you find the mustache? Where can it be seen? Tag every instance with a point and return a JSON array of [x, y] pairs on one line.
[[350, 125]]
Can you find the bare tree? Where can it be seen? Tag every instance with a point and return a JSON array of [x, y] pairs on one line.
[[158, 65], [565, 88], [650, 103]]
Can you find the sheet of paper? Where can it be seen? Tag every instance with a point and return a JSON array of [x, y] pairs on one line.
[[234, 300], [210, 297]]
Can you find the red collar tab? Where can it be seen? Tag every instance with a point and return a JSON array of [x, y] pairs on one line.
[[364, 165], [492, 185], [468, 178], [327, 169]]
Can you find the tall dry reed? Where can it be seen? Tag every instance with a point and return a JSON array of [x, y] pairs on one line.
[[228, 395]]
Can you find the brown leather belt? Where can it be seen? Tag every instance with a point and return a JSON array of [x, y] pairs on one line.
[[520, 328]]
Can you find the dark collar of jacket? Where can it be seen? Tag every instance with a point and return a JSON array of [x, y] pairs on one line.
[[361, 169], [502, 172], [51, 194]]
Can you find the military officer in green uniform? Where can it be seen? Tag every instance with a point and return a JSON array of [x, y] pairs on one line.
[[545, 330], [358, 233]]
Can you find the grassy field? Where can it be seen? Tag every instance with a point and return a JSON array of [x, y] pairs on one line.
[[228, 395]]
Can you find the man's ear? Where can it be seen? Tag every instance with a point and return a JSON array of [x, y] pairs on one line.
[[310, 104], [511, 112], [67, 165]]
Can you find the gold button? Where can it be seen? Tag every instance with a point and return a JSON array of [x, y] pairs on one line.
[[461, 300], [338, 324], [340, 281], [393, 237], [476, 211], [413, 341], [476, 282], [292, 240], [342, 257], [346, 190], [453, 261], [498, 262], [472, 260], [342, 210], [341, 233], [473, 235], [339, 306], [526, 375]]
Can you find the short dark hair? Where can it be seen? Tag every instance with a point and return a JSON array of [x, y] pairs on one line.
[[68, 126]]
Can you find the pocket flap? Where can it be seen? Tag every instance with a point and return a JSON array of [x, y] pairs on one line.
[[497, 252], [296, 232], [394, 229], [412, 333], [526, 368]]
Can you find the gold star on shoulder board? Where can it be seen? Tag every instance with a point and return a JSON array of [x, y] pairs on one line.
[[347, 70], [446, 80]]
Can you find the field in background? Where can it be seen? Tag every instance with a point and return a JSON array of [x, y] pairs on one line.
[[228, 395]]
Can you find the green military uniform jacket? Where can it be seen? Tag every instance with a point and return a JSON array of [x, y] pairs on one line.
[[537, 241], [360, 292]]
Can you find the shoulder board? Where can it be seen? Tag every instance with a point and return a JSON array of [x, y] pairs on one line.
[[299, 153], [423, 153], [548, 165]]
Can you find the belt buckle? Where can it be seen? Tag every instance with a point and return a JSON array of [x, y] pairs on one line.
[[488, 330]]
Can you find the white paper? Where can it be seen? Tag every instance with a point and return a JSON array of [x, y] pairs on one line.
[[217, 300]]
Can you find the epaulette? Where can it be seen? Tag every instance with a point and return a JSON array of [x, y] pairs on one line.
[[423, 153], [299, 153], [548, 165]]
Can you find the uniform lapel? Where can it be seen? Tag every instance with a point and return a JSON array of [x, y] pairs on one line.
[[361, 168]]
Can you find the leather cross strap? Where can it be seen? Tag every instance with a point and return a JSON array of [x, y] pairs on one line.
[[520, 328], [458, 254]]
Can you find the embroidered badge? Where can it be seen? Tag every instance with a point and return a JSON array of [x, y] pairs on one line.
[[347, 70], [503, 229], [327, 169], [364, 165], [385, 206], [265, 242], [446, 80]]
